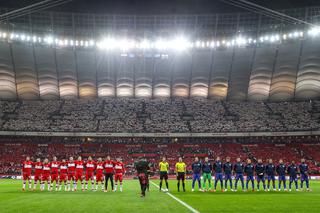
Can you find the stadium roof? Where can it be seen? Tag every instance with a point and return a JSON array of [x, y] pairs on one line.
[[160, 7]]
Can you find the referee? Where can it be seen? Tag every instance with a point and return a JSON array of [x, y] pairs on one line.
[[180, 172], [164, 167]]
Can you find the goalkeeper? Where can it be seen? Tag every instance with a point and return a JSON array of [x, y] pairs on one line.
[[206, 173]]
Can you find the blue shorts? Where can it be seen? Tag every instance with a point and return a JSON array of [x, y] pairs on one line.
[[250, 177], [227, 177], [304, 177], [293, 178], [282, 178], [196, 176], [218, 176], [271, 177], [239, 177], [260, 178]]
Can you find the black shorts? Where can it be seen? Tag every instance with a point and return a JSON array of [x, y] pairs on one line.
[[180, 176], [163, 175]]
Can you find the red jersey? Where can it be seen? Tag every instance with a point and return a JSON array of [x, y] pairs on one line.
[[108, 166], [99, 168], [27, 167], [71, 167], [79, 166], [37, 168], [46, 169], [119, 167], [54, 167], [63, 168], [90, 166]]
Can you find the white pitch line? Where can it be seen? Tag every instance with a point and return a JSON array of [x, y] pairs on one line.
[[177, 199]]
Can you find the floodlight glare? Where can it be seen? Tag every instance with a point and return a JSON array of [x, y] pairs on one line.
[[180, 43]]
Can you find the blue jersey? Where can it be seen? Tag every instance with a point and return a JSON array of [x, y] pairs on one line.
[[196, 167], [281, 169], [217, 167], [292, 170], [270, 169], [227, 168], [207, 167], [238, 168], [260, 169], [249, 169], [303, 168]]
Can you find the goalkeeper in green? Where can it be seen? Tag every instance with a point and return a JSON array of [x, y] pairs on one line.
[[206, 173]]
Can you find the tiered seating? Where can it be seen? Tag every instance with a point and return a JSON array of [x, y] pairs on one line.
[[13, 151]]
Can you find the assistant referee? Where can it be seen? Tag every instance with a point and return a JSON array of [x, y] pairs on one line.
[[180, 172], [163, 168]]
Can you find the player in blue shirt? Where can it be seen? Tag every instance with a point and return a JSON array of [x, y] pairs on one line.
[[281, 170], [249, 170], [303, 167], [196, 169], [292, 170], [238, 170], [260, 171], [227, 169], [270, 171], [217, 166]]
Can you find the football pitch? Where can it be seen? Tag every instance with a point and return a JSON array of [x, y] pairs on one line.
[[12, 199]]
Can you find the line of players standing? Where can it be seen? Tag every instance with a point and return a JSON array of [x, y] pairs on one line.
[[224, 172], [70, 172]]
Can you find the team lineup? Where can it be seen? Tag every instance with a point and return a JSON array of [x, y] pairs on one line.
[[69, 173]]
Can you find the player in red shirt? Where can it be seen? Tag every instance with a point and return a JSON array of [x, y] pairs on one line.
[[26, 172], [55, 172], [119, 170], [37, 173], [79, 172], [63, 177], [45, 174], [99, 174], [71, 173], [90, 166], [108, 166]]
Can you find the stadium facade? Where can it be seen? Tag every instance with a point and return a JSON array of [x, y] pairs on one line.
[[279, 71]]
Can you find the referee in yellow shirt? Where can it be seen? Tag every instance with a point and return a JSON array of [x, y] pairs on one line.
[[163, 168], [180, 172]]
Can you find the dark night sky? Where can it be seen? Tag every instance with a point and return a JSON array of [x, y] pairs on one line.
[[158, 6]]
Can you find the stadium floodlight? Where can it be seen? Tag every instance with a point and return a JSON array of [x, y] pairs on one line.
[[77, 43], [284, 36], [240, 41], [212, 44], [126, 45], [28, 38], [161, 44], [198, 44], [23, 37], [145, 44], [107, 43], [314, 31], [34, 39], [91, 43], [180, 43], [49, 40], [71, 43]]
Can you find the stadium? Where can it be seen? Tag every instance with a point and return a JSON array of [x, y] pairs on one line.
[[206, 109]]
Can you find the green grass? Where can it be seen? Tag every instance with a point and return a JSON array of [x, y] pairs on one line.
[[12, 199]]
